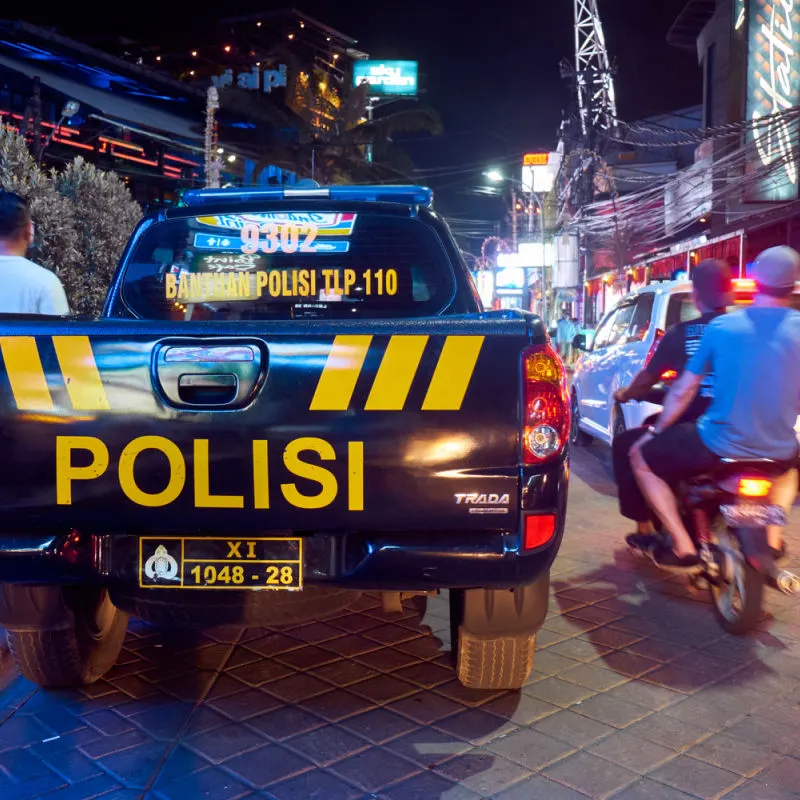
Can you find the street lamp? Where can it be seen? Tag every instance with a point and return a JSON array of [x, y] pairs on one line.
[[71, 108]]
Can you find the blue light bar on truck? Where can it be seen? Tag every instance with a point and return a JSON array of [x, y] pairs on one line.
[[407, 195]]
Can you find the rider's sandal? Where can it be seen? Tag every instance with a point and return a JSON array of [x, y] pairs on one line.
[[668, 559], [779, 555]]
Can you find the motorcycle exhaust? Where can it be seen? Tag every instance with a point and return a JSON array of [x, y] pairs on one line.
[[787, 582]]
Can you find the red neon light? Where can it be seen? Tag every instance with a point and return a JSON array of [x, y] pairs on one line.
[[134, 158], [43, 124], [73, 144], [181, 160], [119, 143]]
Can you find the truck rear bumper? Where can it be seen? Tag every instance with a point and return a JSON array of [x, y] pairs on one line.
[[383, 562], [419, 560]]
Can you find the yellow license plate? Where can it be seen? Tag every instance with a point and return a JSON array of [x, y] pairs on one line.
[[220, 563]]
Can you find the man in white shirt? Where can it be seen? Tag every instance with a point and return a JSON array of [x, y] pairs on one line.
[[25, 287]]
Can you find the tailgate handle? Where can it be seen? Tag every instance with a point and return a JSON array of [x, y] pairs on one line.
[[209, 375], [208, 389]]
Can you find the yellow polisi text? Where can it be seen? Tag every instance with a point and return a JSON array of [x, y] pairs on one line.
[[320, 487]]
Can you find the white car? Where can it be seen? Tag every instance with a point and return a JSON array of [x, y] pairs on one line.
[[622, 344]]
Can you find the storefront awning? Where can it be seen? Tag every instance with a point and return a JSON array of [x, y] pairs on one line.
[[108, 104]]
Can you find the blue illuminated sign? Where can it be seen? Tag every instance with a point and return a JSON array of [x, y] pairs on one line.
[[773, 87], [387, 77]]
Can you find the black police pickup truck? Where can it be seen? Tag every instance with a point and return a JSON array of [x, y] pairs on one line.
[[293, 395]]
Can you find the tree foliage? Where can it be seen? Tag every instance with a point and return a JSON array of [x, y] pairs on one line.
[[82, 219], [106, 215]]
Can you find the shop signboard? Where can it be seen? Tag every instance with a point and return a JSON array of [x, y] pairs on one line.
[[510, 280], [485, 284], [739, 14], [387, 77], [773, 86], [266, 80]]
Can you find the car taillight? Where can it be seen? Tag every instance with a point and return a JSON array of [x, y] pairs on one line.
[[754, 487], [652, 351], [546, 412]]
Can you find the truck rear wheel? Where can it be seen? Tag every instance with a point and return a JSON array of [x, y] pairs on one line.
[[494, 633], [80, 649]]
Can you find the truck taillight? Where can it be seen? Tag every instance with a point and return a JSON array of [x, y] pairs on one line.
[[653, 347], [545, 424]]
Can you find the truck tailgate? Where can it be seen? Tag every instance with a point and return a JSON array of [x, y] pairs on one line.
[[265, 426]]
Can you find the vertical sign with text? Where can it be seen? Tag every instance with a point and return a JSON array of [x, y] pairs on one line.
[[773, 86]]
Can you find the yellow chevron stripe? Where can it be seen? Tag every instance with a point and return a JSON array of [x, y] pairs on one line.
[[396, 372], [453, 373], [338, 380], [81, 376], [25, 373]]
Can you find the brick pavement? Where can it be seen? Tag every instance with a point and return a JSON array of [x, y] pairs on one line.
[[636, 694]]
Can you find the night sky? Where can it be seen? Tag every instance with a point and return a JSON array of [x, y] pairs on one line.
[[493, 76]]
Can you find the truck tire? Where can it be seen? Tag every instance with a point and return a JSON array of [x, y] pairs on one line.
[[84, 646], [494, 633]]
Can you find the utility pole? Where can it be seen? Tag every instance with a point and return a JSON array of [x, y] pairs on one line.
[[514, 217], [544, 258]]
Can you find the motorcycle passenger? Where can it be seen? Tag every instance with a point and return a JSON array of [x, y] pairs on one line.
[[711, 293], [755, 355]]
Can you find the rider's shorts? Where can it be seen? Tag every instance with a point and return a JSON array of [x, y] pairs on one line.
[[679, 453]]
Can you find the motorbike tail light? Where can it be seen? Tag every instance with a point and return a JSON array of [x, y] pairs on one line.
[[539, 530], [754, 487], [653, 347], [546, 411], [669, 375]]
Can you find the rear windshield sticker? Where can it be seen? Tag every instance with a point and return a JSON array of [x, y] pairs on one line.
[[329, 285], [279, 232]]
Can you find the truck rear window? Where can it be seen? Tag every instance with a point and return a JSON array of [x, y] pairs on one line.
[[287, 265]]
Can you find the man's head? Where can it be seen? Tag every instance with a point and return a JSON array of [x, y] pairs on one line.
[[16, 228], [713, 285], [776, 271], [565, 314]]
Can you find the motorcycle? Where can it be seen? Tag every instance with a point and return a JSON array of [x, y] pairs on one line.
[[727, 514]]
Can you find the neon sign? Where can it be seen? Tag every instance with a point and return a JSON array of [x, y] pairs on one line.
[[739, 14], [268, 80], [386, 77], [773, 86]]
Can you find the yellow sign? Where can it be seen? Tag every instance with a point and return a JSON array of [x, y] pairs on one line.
[[536, 159], [259, 494], [208, 287]]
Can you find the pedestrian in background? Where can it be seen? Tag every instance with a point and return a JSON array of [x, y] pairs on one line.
[[565, 333], [25, 287]]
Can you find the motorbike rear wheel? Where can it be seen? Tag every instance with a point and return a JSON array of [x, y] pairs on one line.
[[738, 593]]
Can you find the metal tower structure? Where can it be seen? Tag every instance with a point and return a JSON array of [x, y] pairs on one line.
[[594, 79]]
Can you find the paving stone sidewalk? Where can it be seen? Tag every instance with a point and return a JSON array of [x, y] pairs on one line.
[[637, 694]]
